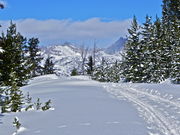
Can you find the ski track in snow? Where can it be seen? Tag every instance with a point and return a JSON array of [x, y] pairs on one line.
[[89, 124], [161, 112]]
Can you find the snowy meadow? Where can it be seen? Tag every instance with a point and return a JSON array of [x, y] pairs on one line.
[[83, 106]]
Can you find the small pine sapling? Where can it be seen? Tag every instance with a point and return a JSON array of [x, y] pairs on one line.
[[16, 123], [38, 104], [16, 96], [29, 107], [47, 105], [74, 72], [28, 99], [5, 105]]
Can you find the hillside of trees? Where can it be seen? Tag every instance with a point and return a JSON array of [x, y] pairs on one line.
[[152, 52]]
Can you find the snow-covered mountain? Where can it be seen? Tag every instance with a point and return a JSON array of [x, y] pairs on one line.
[[67, 57], [117, 46]]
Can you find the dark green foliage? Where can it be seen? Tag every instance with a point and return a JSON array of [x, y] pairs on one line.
[[28, 99], [158, 54], [18, 62], [171, 24], [1, 95], [34, 56], [16, 123], [48, 66], [100, 71], [152, 53], [133, 57], [146, 46], [15, 95], [175, 68], [115, 72], [5, 104], [29, 107], [106, 72], [74, 72], [38, 104], [13, 58], [47, 105], [171, 11], [155, 57], [90, 65]]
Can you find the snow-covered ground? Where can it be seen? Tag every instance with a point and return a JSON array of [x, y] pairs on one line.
[[86, 107], [157, 104]]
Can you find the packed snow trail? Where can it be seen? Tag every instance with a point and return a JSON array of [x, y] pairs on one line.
[[162, 113], [82, 107]]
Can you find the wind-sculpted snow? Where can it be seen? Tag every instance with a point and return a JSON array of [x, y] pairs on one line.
[[160, 111]]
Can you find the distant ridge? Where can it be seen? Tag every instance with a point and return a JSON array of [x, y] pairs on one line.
[[117, 46], [68, 56]]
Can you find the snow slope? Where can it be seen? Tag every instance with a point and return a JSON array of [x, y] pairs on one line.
[[86, 107], [82, 107]]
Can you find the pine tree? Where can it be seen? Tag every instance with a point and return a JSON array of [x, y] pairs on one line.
[[5, 101], [102, 72], [171, 24], [171, 11], [114, 72], [5, 105], [13, 100], [156, 53], [48, 66], [35, 56], [99, 72], [146, 45], [47, 105], [155, 56], [38, 104], [175, 68], [16, 124], [16, 95], [90, 65], [1, 89], [74, 72], [13, 44], [133, 56]]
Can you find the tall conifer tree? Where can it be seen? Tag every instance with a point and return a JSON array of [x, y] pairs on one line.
[[48, 66], [133, 56], [34, 56], [171, 24], [146, 43], [14, 58]]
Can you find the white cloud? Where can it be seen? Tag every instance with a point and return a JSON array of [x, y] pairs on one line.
[[52, 31]]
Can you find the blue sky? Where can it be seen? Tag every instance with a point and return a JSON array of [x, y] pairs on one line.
[[69, 15]]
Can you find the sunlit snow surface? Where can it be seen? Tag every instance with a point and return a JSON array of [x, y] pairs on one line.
[[86, 107], [1, 50]]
